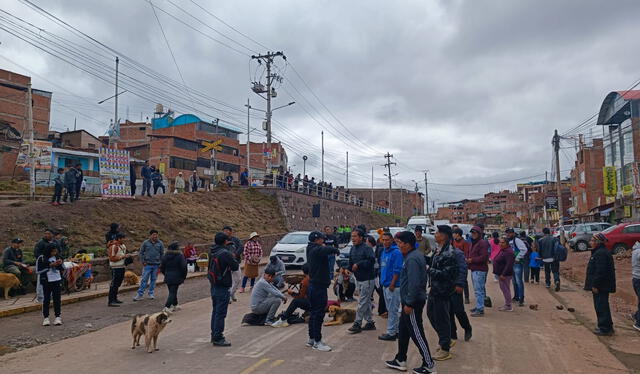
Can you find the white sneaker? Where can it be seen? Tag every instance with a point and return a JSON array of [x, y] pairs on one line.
[[151, 297], [280, 323], [177, 307], [137, 298], [310, 343], [46, 322], [167, 310], [57, 321], [321, 346]]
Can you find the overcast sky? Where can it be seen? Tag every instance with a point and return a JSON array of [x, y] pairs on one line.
[[471, 90]]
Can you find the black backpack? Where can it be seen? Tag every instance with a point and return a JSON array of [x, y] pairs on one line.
[[215, 273]]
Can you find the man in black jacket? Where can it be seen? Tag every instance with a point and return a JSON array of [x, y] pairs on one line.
[[319, 281], [236, 249], [413, 283], [546, 248], [70, 178], [442, 277], [362, 263], [79, 178], [331, 241], [601, 281], [221, 264]]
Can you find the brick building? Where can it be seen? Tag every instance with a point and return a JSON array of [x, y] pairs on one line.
[[586, 179], [404, 203], [13, 113], [258, 157]]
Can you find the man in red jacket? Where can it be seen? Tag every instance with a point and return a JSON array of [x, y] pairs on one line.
[[465, 247], [477, 261]]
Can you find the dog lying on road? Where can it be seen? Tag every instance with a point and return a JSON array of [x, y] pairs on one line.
[[130, 278], [150, 326], [340, 315], [7, 282]]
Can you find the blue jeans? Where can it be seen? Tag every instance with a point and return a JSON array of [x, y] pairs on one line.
[[479, 279], [518, 282], [148, 272], [392, 299], [219, 302]]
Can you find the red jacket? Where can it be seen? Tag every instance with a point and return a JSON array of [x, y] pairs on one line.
[[479, 255], [462, 245]]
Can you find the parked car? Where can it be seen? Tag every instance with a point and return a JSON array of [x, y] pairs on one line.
[[622, 237], [414, 221], [556, 231], [292, 248], [581, 233]]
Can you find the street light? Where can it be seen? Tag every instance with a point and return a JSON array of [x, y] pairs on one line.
[[304, 165], [273, 110], [111, 97]]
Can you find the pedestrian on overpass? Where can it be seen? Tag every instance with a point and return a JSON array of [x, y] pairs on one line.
[[319, 281], [413, 284], [362, 261], [601, 281], [442, 277]]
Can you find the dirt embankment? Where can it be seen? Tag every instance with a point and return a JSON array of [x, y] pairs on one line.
[[190, 216], [624, 300]]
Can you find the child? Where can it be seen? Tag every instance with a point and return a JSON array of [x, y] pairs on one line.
[[57, 188], [345, 285], [49, 268], [83, 185], [534, 265]]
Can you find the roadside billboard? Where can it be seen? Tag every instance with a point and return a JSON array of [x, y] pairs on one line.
[[114, 173]]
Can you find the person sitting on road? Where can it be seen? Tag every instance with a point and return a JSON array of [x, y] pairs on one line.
[[345, 285], [279, 269], [266, 298], [300, 300]]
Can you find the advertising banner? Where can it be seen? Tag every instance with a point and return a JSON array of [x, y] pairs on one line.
[[114, 173], [609, 181], [42, 155]]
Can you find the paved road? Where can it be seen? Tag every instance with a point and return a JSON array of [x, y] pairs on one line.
[[524, 341]]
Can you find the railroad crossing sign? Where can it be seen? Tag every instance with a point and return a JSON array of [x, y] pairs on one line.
[[209, 146]]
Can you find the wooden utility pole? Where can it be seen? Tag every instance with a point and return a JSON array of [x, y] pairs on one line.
[[388, 166], [32, 161], [556, 150]]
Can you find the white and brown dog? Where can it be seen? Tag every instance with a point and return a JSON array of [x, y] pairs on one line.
[[150, 326]]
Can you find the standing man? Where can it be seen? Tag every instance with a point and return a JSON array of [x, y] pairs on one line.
[[221, 265], [70, 178], [465, 246], [456, 307], [527, 258], [79, 180], [244, 178], [179, 183], [40, 246], [442, 277], [362, 261], [477, 261], [193, 181], [635, 274], [146, 179], [330, 240], [319, 280], [117, 253], [132, 179], [547, 248], [413, 285], [391, 262], [423, 243], [150, 255], [12, 262], [58, 181], [229, 179], [601, 281], [236, 249], [520, 250]]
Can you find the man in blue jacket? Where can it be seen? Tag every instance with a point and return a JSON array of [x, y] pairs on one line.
[[362, 263], [150, 255], [413, 296], [146, 179], [390, 267]]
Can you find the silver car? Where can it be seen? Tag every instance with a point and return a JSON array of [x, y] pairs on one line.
[[581, 233]]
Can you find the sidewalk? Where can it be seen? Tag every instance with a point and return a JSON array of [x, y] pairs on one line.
[[26, 303]]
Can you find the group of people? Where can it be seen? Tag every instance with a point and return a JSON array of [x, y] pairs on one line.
[[70, 182]]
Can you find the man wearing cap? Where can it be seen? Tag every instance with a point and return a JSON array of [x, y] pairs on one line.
[[442, 277], [252, 255], [362, 263], [601, 281], [477, 262], [236, 249], [422, 243], [226, 265], [12, 263], [319, 280], [520, 250]]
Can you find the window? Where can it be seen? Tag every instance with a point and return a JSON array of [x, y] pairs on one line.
[[632, 229], [91, 145], [185, 144], [204, 162], [182, 163]]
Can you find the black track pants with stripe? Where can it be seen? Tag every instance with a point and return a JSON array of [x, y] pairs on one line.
[[411, 327]]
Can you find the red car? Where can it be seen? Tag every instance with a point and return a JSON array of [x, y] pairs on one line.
[[622, 237]]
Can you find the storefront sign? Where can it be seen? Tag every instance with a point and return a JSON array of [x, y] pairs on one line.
[[610, 182], [114, 173], [627, 211], [627, 190], [551, 203]]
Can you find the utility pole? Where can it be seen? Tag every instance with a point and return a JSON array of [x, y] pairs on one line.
[[116, 124], [426, 193], [347, 184], [248, 142], [322, 134], [556, 149], [214, 162], [32, 163], [388, 166], [371, 186], [271, 92]]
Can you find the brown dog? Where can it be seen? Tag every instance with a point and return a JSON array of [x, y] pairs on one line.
[[130, 278], [7, 282], [340, 315], [150, 326]]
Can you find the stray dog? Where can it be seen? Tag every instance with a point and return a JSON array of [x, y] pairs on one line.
[[130, 278], [150, 326], [7, 282], [340, 315]]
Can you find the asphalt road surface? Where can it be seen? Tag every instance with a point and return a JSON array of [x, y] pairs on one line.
[[546, 340]]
